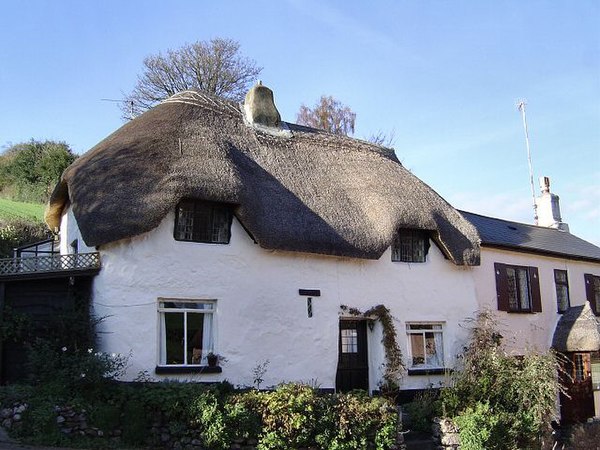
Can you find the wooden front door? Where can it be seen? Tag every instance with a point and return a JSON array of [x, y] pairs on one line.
[[580, 406], [353, 366]]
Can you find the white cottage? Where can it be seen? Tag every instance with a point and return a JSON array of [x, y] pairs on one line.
[[222, 229]]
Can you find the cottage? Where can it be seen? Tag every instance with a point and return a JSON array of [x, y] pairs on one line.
[[222, 229]]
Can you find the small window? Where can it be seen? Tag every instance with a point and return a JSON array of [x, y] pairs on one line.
[[349, 340], [426, 345], [186, 331], [518, 288], [200, 221], [562, 290], [592, 291], [410, 246]]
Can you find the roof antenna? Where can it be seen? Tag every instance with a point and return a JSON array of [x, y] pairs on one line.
[[521, 107], [131, 113]]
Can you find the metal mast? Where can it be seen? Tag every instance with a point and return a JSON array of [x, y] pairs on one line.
[[521, 107]]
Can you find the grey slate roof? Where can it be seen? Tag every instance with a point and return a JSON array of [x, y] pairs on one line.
[[531, 238]]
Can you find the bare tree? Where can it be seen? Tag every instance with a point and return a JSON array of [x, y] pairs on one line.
[[382, 138], [214, 66], [328, 114]]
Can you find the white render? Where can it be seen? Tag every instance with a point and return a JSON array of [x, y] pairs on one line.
[[260, 315], [526, 331]]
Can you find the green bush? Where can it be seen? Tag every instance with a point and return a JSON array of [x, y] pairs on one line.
[[135, 423], [422, 410], [492, 386]]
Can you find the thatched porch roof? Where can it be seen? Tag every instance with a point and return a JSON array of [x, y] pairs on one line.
[[577, 331], [294, 188]]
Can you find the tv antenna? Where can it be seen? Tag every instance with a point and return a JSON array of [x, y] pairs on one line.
[[521, 107], [131, 113]]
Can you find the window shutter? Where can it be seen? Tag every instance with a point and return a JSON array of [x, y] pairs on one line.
[[536, 297], [501, 286], [589, 291]]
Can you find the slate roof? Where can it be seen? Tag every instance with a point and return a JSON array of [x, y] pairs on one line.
[[293, 188], [531, 238]]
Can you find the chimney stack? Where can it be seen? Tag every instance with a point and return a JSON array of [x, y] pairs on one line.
[[259, 107], [548, 208]]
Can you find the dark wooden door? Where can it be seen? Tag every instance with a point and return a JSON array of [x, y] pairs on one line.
[[580, 406], [353, 365]]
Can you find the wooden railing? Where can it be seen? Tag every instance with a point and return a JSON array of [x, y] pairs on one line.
[[53, 263]]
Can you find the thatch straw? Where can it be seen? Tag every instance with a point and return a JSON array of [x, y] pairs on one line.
[[577, 331], [300, 189]]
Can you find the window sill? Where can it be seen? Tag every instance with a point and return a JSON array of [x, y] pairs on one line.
[[168, 370], [432, 371], [521, 312]]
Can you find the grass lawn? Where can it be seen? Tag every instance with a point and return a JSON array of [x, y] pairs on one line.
[[10, 209]]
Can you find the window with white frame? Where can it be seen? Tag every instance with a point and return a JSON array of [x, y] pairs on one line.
[[426, 345], [186, 331]]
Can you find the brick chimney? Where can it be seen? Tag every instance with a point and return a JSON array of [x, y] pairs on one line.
[[548, 208]]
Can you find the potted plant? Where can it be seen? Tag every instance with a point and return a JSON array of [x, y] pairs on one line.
[[212, 359]]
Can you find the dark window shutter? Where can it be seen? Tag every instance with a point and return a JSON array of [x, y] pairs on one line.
[[589, 291], [501, 286], [536, 297]]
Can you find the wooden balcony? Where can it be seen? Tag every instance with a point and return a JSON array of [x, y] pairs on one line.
[[75, 264]]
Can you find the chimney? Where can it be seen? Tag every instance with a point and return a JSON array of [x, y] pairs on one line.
[[548, 209], [260, 108]]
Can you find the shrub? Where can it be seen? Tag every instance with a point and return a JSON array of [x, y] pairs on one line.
[[522, 388], [422, 410]]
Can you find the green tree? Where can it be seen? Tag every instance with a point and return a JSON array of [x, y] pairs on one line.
[[215, 67], [30, 170]]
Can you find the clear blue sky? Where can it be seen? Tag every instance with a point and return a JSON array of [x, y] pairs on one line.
[[444, 76]]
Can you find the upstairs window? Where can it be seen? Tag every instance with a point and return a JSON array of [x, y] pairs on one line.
[[562, 290], [200, 221], [518, 288], [410, 246], [592, 291]]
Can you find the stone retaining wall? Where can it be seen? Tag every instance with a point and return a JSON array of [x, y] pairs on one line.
[[75, 422], [445, 434]]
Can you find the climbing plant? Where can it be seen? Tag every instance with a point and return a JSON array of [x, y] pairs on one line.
[[394, 366]]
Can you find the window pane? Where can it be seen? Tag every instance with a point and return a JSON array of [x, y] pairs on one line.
[[579, 374], [560, 276], [524, 295], [410, 246], [349, 341], [513, 301], [195, 328], [417, 349], [201, 221], [174, 338], [433, 349], [562, 297]]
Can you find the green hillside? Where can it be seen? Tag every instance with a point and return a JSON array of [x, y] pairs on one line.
[[11, 209]]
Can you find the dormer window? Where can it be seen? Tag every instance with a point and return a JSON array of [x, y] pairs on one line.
[[410, 246], [202, 221]]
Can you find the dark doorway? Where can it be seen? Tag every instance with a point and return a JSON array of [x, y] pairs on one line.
[[580, 406], [353, 365]]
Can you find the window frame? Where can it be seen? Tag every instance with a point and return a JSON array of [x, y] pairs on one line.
[[592, 291], [565, 284], [200, 210], [410, 237], [425, 367], [503, 289], [162, 310]]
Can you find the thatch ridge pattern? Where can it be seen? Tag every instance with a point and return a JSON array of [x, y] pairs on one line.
[[310, 191]]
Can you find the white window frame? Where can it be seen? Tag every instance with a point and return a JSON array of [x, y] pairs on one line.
[[412, 328], [208, 340]]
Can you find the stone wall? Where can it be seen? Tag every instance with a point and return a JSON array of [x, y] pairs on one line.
[[445, 434], [75, 422]]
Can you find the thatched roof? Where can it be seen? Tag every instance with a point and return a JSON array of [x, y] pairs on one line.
[[577, 331], [294, 188]]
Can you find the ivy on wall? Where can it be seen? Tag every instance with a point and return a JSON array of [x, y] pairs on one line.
[[394, 366]]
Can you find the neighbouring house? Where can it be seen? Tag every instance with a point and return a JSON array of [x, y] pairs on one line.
[[538, 278], [222, 229]]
